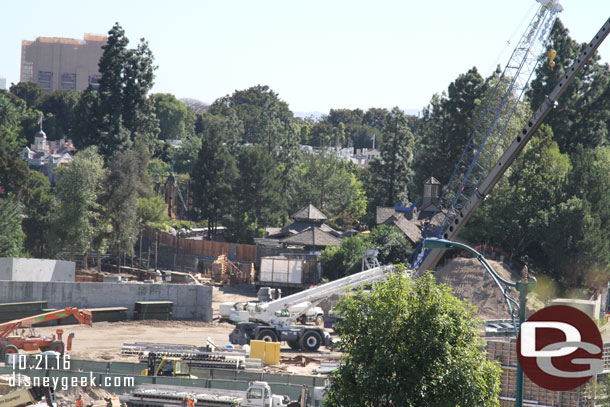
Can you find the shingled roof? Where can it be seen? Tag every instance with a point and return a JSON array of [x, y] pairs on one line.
[[309, 213], [313, 236]]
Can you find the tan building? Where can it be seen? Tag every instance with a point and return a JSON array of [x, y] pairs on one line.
[[62, 63]]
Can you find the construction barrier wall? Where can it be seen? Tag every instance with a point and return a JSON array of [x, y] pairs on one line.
[[203, 248], [192, 302]]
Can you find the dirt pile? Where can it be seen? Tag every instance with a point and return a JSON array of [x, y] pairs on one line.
[[470, 281]]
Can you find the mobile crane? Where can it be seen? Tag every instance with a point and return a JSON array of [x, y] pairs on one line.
[[471, 191], [272, 321], [10, 343]]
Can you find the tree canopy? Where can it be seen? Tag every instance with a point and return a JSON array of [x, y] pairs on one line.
[[410, 343]]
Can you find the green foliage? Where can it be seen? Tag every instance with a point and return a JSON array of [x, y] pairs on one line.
[[78, 187], [389, 178], [29, 92], [175, 119], [446, 126], [125, 113], [411, 343], [11, 234], [242, 229], [127, 181], [39, 211], [331, 186], [157, 167], [345, 259], [184, 158], [214, 177], [11, 113], [258, 189], [583, 113], [151, 210], [59, 107]]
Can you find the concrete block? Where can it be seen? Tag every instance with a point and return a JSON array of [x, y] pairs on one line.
[[19, 269]]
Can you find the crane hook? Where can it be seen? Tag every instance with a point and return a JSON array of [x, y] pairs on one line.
[[552, 54]]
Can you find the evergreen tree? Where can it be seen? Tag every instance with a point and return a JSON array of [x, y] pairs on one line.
[[390, 177], [214, 176]]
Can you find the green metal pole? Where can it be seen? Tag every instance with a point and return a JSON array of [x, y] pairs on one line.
[[523, 289]]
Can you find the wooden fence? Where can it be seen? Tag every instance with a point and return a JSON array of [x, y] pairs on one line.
[[205, 248]]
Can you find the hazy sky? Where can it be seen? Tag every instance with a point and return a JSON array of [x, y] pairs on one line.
[[315, 54]]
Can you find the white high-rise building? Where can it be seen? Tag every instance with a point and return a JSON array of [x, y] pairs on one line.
[[2, 83]]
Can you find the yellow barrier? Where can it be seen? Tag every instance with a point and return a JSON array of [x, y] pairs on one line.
[[268, 352]]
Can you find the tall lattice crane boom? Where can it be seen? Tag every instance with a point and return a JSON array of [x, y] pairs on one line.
[[486, 137], [516, 146]]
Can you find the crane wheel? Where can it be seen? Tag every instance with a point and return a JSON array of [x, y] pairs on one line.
[[58, 346], [311, 341], [320, 321], [267, 335], [7, 350]]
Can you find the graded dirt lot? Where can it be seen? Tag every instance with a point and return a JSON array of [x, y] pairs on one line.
[[103, 340]]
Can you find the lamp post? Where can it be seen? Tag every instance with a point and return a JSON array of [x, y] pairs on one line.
[[524, 286]]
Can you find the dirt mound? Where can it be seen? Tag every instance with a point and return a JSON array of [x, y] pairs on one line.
[[470, 281]]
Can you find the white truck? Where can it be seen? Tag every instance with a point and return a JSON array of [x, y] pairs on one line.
[[272, 321], [258, 394]]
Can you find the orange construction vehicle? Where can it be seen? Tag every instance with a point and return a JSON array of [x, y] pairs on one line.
[[11, 341]]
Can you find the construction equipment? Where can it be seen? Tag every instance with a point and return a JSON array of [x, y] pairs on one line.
[[258, 394], [464, 193], [306, 313], [272, 322], [201, 357], [26, 397], [167, 366], [10, 343]]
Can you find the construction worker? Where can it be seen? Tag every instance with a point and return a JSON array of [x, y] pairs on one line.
[[79, 401]]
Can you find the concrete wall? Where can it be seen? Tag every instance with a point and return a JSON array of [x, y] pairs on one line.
[[192, 302], [18, 269]]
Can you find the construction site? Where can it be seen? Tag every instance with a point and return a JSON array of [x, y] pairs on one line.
[[193, 322]]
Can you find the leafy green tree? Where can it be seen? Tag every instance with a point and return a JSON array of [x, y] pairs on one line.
[[411, 343], [151, 210], [392, 175], [446, 126], [184, 158], [176, 120], [78, 186], [11, 113], [11, 233], [213, 177], [258, 188], [516, 215], [87, 123], [127, 181], [39, 211], [344, 259], [391, 243], [331, 185], [59, 106], [29, 92]]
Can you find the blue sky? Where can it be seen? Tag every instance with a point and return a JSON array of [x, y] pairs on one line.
[[316, 54]]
